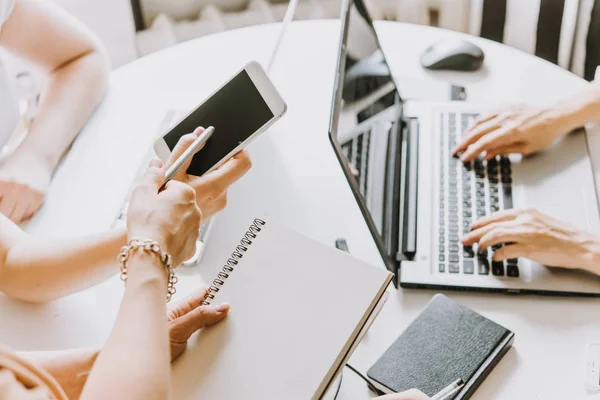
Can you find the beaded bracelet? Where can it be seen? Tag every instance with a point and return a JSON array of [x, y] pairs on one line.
[[152, 247]]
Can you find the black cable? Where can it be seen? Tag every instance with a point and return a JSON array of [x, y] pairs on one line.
[[339, 386], [364, 378], [372, 387]]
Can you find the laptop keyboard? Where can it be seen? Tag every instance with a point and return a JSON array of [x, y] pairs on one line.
[[468, 192], [357, 153]]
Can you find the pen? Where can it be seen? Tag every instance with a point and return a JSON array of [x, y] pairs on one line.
[[449, 390], [188, 154]]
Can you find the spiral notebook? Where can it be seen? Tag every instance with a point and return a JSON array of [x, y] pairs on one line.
[[298, 310]]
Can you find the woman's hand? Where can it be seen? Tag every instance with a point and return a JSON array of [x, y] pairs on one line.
[[75, 68], [188, 316], [211, 189], [520, 129], [24, 182], [170, 217], [531, 234], [412, 394]]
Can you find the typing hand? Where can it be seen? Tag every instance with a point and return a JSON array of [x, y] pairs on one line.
[[520, 129], [24, 182], [211, 189], [187, 316], [412, 394], [531, 234]]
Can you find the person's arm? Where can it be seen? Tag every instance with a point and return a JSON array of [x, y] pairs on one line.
[[577, 110], [70, 368], [77, 74], [77, 67], [537, 236], [41, 270], [134, 363]]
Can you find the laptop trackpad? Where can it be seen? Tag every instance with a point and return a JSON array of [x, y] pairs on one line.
[[559, 182]]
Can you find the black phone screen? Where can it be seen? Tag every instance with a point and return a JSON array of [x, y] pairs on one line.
[[236, 111]]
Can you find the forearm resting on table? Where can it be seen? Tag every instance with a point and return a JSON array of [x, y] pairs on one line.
[[70, 368], [39, 270], [135, 362], [574, 112], [70, 95]]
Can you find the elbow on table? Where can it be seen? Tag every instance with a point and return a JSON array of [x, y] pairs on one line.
[[90, 67], [26, 290], [97, 66], [31, 295]]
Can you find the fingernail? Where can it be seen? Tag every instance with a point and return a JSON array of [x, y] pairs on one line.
[[156, 163], [222, 307]]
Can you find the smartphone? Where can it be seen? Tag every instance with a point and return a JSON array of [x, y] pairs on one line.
[[240, 110]]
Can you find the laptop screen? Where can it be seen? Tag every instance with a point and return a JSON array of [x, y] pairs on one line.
[[363, 132]]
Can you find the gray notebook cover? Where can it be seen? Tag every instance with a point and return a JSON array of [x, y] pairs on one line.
[[446, 342]]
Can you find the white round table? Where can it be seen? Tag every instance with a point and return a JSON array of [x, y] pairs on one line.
[[296, 180]]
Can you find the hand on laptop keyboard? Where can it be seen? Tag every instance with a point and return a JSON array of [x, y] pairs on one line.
[[520, 129], [531, 234], [469, 191]]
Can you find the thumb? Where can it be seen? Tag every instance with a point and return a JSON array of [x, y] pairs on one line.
[[183, 327], [155, 175], [184, 142]]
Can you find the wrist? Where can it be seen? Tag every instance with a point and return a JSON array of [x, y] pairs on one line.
[[24, 157], [144, 265], [41, 150], [564, 118], [146, 262], [579, 110], [591, 255], [154, 236], [142, 234]]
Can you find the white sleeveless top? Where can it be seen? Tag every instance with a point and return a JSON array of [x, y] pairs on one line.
[[9, 113]]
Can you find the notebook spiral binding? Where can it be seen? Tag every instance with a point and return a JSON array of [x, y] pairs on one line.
[[233, 260]]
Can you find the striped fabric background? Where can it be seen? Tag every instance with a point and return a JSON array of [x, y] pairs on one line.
[[565, 32]]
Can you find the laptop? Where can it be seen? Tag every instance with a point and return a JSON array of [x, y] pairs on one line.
[[418, 200]]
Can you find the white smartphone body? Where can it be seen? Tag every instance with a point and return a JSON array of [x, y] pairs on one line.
[[240, 110]]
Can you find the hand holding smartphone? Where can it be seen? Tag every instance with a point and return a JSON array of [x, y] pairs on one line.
[[188, 154], [240, 110]]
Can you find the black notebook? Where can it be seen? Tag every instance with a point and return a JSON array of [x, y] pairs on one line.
[[446, 342]]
